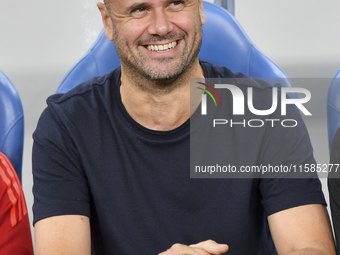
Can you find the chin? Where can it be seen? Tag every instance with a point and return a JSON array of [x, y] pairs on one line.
[[163, 77], [168, 73]]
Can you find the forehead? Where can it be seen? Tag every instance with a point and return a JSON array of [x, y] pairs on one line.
[[123, 8], [126, 3]]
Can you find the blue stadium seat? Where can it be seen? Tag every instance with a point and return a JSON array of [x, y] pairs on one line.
[[224, 43], [11, 123], [333, 108]]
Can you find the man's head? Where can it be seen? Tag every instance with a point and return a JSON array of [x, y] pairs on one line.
[[155, 39]]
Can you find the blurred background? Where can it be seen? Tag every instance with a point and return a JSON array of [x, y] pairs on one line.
[[41, 40]]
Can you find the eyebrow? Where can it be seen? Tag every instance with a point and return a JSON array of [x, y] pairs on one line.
[[185, 1], [144, 4], [136, 6]]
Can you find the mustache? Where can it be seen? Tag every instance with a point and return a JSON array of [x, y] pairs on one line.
[[156, 38]]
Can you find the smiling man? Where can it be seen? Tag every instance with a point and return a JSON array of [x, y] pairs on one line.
[[111, 157]]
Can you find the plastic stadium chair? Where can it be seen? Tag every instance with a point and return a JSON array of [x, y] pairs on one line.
[[224, 43], [333, 108], [11, 123]]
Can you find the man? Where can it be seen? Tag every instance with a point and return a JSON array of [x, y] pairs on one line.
[[14, 223], [334, 189], [111, 157]]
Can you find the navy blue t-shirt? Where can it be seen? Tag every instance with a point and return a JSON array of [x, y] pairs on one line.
[[91, 158]]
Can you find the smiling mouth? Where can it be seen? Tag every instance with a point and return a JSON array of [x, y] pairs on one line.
[[162, 47]]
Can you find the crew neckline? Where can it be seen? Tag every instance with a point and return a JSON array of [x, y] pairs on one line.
[[180, 132]]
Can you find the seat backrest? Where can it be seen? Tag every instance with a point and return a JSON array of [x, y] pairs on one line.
[[224, 43], [333, 108], [11, 123]]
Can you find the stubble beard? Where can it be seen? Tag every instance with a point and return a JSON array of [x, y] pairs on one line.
[[148, 78]]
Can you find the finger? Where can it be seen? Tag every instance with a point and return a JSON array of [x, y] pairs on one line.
[[212, 247], [180, 249]]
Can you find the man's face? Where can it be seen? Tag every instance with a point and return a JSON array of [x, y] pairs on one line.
[[158, 39]]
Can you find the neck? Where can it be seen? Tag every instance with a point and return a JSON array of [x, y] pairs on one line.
[[160, 108]]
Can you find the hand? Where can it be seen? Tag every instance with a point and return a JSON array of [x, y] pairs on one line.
[[208, 247]]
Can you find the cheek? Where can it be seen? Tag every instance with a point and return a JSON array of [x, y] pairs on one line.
[[133, 29], [187, 23]]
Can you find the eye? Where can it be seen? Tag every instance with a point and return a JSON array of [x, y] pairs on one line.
[[138, 10], [177, 2], [176, 5]]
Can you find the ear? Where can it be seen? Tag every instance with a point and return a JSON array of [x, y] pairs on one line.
[[107, 22], [201, 11]]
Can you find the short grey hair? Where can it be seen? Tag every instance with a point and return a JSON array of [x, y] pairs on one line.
[[106, 2]]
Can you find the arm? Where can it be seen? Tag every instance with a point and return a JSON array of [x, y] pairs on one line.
[[61, 206], [67, 235], [334, 189], [302, 230], [15, 237]]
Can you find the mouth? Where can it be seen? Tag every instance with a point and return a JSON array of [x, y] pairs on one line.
[[162, 47]]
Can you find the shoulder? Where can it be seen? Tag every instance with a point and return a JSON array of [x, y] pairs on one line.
[[13, 212], [85, 97], [239, 79], [84, 104], [335, 152], [334, 176], [96, 85], [216, 71]]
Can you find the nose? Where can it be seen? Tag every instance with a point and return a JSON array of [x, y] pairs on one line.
[[160, 23]]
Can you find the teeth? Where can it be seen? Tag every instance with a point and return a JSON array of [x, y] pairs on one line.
[[165, 47]]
